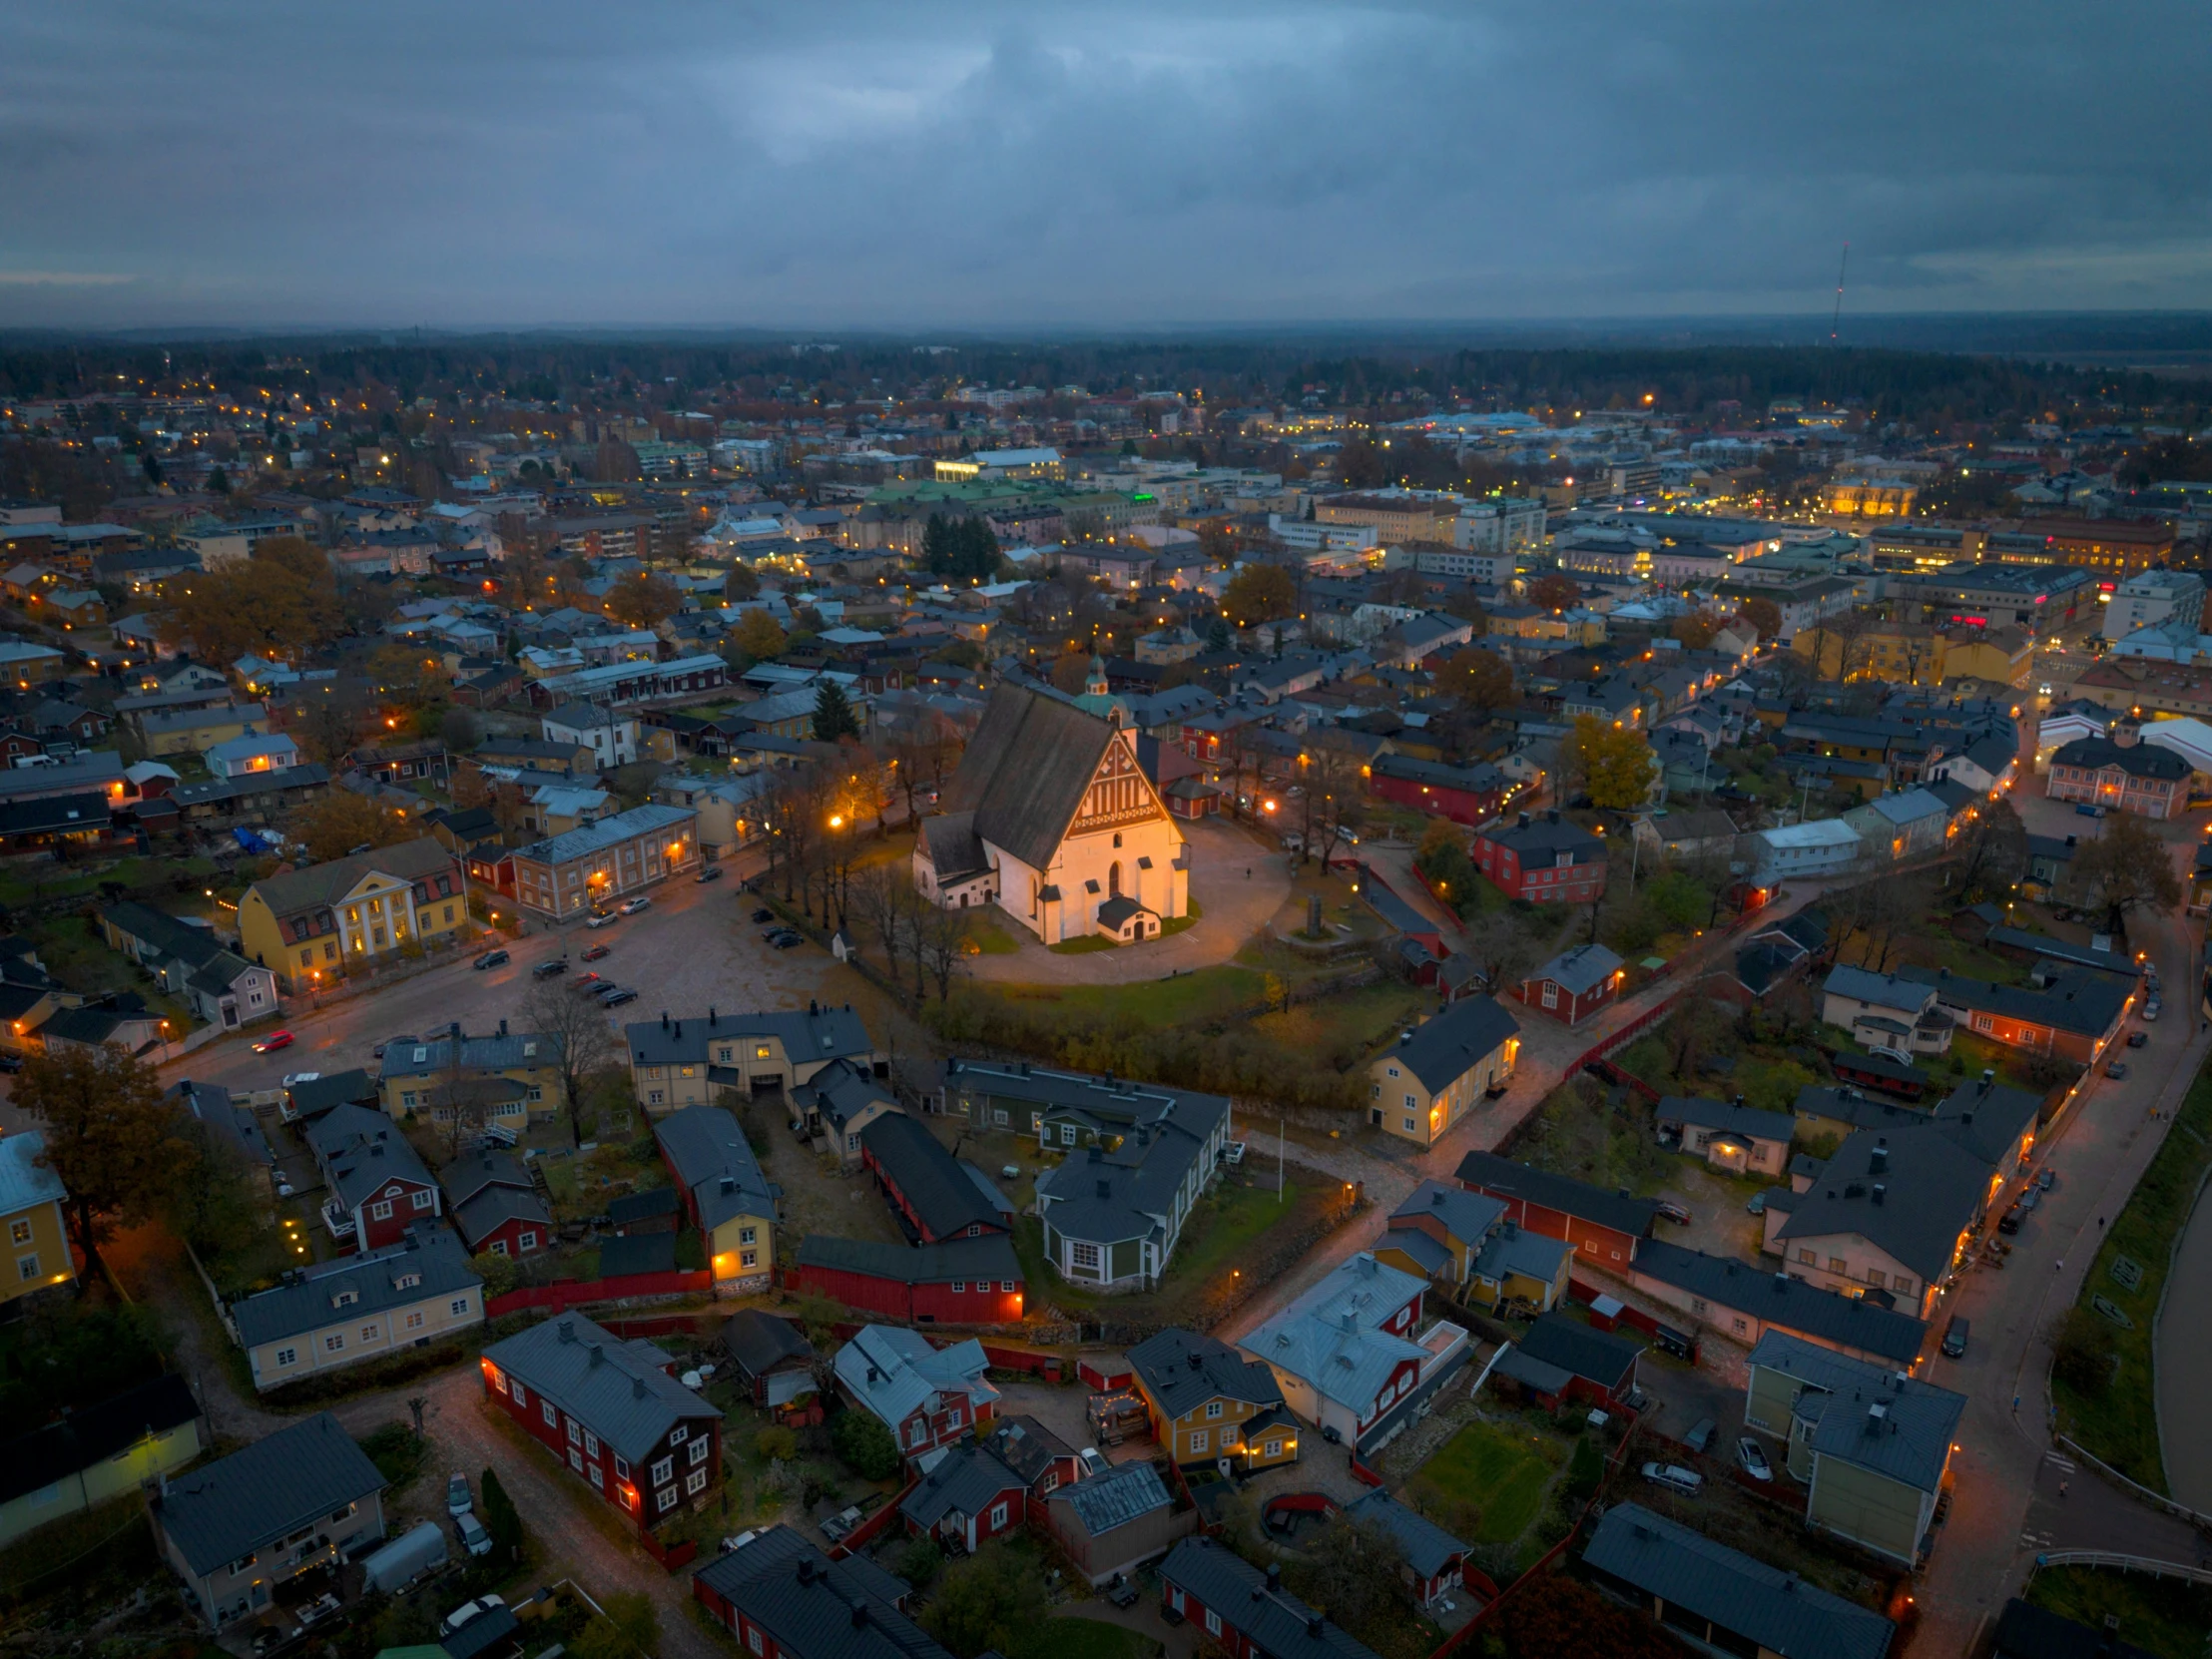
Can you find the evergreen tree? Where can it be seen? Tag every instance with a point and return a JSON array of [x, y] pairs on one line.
[[834, 717], [1217, 637], [218, 481], [936, 546]]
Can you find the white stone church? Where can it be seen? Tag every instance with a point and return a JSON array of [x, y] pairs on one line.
[[1051, 818]]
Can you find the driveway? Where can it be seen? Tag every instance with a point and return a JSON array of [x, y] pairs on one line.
[[1239, 879]]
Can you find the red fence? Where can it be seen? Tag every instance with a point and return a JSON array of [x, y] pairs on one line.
[[573, 1293]]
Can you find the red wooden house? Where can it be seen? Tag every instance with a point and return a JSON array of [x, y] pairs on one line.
[[932, 1194], [1246, 1612], [378, 1186], [968, 1500], [1574, 984], [1559, 1359], [959, 1282], [1466, 795], [609, 1408], [496, 1207], [927, 1396], [1548, 859], [1604, 1226]]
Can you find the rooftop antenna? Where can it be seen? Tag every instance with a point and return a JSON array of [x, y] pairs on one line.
[[1841, 266]]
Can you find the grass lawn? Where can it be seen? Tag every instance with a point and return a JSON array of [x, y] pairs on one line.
[[1176, 925], [1075, 1637], [988, 938], [1231, 1224], [2120, 1424], [1339, 1031], [1486, 1483], [1187, 999], [2164, 1615]]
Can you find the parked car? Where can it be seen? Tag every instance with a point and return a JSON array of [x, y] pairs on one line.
[[273, 1042], [2116, 1070], [2047, 1179], [469, 1610], [2010, 1222], [593, 953], [712, 872], [491, 959], [2153, 1006], [1956, 1335], [2087, 809], [457, 1499], [738, 1540], [1753, 1457], [1756, 1205], [1675, 1478], [1701, 1433], [615, 997], [473, 1537], [2138, 1039], [840, 1526], [591, 982], [11, 1062], [602, 919], [763, 914], [2028, 1201], [549, 969], [633, 906], [784, 940], [1671, 1210], [1093, 1461]]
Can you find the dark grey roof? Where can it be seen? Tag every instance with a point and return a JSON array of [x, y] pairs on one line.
[[1776, 1611], [1912, 1439], [1513, 1248], [613, 1387], [1026, 1446], [1182, 1369], [816, 1032], [165, 933], [1775, 1299], [929, 1177], [1432, 1257], [631, 1208], [1475, 780], [2058, 951], [494, 1051], [2137, 760], [1275, 1621], [317, 886], [805, 1601], [362, 1149], [989, 1257], [843, 1090], [465, 1177], [710, 1156], [1024, 772], [760, 1343], [1580, 971], [482, 1633], [968, 1481], [2026, 1631], [1466, 1216], [1429, 1548], [1602, 1357], [1125, 1492], [1490, 1173], [292, 1478], [1914, 1209], [631, 1253], [1448, 1046], [493, 1206], [954, 849], [431, 1257], [339, 1089], [1747, 1121], [2085, 1003], [213, 790], [91, 1435], [1546, 837]]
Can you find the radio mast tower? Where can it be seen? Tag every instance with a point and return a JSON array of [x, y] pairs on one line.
[[1841, 266]]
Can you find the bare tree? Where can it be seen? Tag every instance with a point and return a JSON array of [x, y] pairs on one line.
[[886, 905], [1501, 950], [940, 946], [1335, 786], [582, 1036]]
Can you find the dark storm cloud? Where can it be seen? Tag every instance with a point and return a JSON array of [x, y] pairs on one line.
[[846, 164]]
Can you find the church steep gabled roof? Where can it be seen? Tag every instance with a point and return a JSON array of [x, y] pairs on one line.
[[1025, 771]]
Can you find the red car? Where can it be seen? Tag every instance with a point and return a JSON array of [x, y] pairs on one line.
[[597, 951], [274, 1040]]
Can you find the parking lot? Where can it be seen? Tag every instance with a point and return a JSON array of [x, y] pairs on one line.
[[694, 948]]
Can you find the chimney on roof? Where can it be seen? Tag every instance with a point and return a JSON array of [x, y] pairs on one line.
[[1881, 1159], [1988, 1078], [664, 1019], [637, 1388], [1314, 1623], [1274, 1576], [566, 1331], [1194, 1359], [805, 1570], [1880, 1188], [456, 1029], [812, 1007], [1105, 1188], [1436, 1197], [502, 1028], [596, 1355], [678, 1029], [860, 1612], [711, 1016], [728, 1183], [1523, 821], [1553, 816]]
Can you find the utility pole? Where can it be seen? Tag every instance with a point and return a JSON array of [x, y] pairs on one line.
[[1282, 1134]]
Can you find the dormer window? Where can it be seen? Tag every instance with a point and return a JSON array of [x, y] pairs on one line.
[[406, 1281], [344, 1299]]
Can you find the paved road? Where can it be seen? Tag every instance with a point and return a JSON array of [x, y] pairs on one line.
[[1999, 1507]]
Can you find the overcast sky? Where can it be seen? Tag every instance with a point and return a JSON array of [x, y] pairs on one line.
[[824, 164]]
